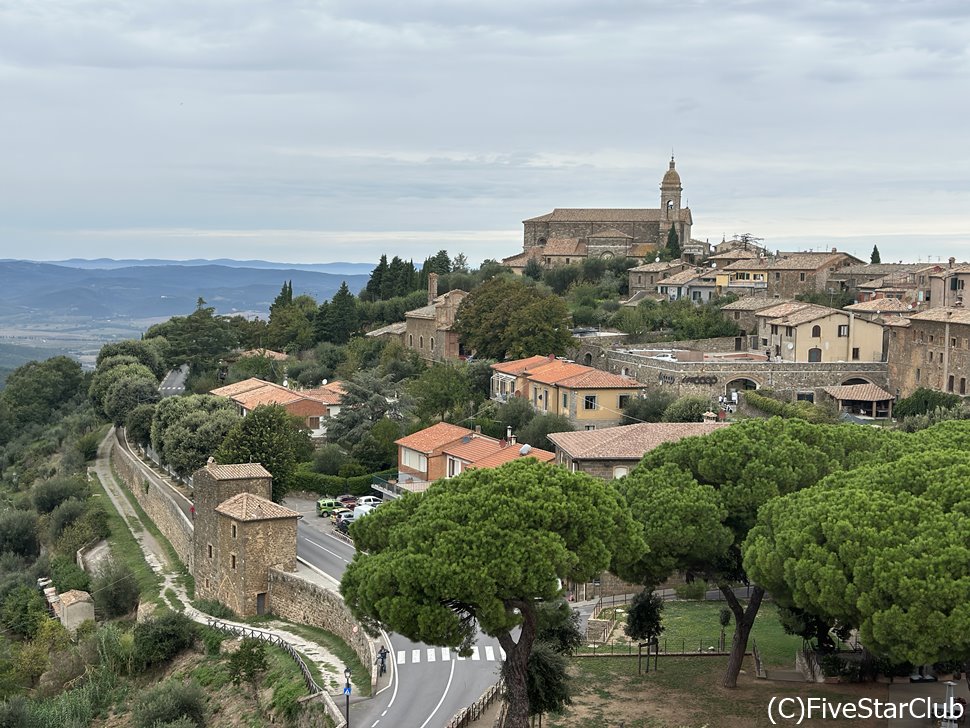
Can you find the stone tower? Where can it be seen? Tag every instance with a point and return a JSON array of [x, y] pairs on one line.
[[670, 196]]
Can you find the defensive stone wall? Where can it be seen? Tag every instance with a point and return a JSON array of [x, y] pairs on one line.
[[157, 503], [293, 597]]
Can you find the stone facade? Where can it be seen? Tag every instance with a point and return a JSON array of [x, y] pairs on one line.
[[157, 503], [718, 378], [428, 329], [932, 350], [298, 599]]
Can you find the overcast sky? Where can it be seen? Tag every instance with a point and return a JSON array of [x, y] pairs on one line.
[[306, 131]]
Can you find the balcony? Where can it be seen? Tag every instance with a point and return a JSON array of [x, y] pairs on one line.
[[393, 489], [747, 284]]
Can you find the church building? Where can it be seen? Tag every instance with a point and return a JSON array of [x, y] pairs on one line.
[[606, 232]]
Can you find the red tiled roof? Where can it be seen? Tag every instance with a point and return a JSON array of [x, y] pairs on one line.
[[512, 452], [628, 442], [554, 371], [942, 315], [245, 385], [431, 438], [598, 379], [890, 305], [270, 394], [237, 471], [564, 246], [251, 507], [472, 448], [517, 366]]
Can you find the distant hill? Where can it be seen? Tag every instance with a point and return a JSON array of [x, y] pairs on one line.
[[111, 264], [39, 292]]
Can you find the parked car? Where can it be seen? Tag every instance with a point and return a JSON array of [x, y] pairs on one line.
[[336, 513], [369, 500], [361, 511], [325, 506], [346, 517], [348, 500]]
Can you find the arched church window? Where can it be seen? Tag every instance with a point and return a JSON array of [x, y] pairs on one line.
[[816, 331]]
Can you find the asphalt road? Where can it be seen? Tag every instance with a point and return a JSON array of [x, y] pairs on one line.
[[174, 382], [425, 686]]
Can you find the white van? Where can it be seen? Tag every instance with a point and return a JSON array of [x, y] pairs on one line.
[[361, 511]]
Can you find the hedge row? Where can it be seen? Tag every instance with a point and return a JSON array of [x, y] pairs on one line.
[[774, 407], [311, 482]]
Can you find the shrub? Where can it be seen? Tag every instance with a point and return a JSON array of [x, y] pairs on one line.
[[115, 589], [818, 414], [924, 400], [329, 459], [161, 638], [63, 516], [168, 702], [67, 575], [87, 446], [48, 494], [687, 409], [18, 533], [691, 590], [216, 609]]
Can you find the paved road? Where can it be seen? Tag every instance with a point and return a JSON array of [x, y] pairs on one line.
[[174, 382], [425, 685]]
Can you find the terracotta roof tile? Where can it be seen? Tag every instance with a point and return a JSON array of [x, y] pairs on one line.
[[953, 315], [472, 448], [859, 392], [680, 279], [523, 257], [628, 442], [554, 371], [245, 385], [268, 353], [588, 214], [273, 394], [251, 507], [564, 246], [332, 393], [754, 303], [517, 366], [734, 254], [890, 305], [598, 379], [808, 312], [782, 309], [806, 261], [398, 327], [512, 452], [663, 265], [73, 596], [746, 264], [432, 438], [237, 471]]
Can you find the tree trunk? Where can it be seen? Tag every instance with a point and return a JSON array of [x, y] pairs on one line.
[[743, 622], [515, 670]]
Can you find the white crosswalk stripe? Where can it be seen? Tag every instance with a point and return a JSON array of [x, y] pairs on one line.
[[430, 654]]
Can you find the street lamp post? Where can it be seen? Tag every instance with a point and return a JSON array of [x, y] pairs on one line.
[[347, 693]]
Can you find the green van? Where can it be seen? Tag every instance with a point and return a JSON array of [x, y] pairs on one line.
[[325, 506]]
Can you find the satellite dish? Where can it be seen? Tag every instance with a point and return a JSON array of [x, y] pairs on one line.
[[791, 345], [525, 450], [657, 259], [714, 264], [323, 383]]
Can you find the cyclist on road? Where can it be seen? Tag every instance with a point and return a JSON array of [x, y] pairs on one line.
[[382, 654]]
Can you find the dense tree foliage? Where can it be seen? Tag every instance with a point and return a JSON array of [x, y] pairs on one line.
[[874, 257], [34, 391], [368, 399], [687, 409], [427, 566], [699, 497], [200, 339], [441, 390], [536, 432], [186, 431], [675, 320], [644, 620], [649, 408], [270, 436], [509, 319], [924, 400]]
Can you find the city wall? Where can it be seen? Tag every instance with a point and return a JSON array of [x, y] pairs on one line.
[[297, 599], [157, 503]]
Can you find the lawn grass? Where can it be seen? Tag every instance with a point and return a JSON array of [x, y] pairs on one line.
[[686, 692], [184, 576], [125, 548], [694, 626]]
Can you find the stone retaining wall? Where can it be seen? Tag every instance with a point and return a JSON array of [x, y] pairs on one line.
[[157, 503], [298, 600]]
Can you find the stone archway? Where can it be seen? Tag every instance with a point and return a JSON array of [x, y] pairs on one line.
[[856, 380], [588, 359], [740, 384]]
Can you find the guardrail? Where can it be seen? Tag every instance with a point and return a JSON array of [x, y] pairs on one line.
[[476, 710], [258, 634]]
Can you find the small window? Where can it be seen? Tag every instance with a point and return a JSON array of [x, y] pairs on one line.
[[774, 329], [801, 277], [588, 429], [589, 402], [788, 331], [232, 561], [764, 342], [420, 342], [931, 338], [929, 356], [941, 357], [955, 342], [844, 330], [565, 400], [411, 340], [313, 423], [623, 400], [816, 331], [949, 383], [432, 343], [639, 280], [233, 528], [206, 583], [963, 385], [855, 353], [209, 550], [620, 471], [777, 276], [737, 315], [918, 374]]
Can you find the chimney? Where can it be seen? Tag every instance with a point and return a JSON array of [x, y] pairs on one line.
[[478, 429], [432, 287], [511, 439], [508, 432], [835, 250], [952, 261]]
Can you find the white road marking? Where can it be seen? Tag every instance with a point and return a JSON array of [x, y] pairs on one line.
[[324, 548], [475, 655], [451, 676], [415, 656], [431, 654], [489, 652], [400, 657], [445, 654]]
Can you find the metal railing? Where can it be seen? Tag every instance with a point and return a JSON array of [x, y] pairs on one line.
[[395, 490], [670, 647], [258, 634], [476, 710]]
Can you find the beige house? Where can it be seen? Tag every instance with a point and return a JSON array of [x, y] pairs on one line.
[[930, 349], [590, 398], [314, 407], [804, 332], [948, 284], [743, 312]]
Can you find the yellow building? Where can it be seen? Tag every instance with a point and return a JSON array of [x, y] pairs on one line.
[[588, 397], [804, 332], [748, 276]]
